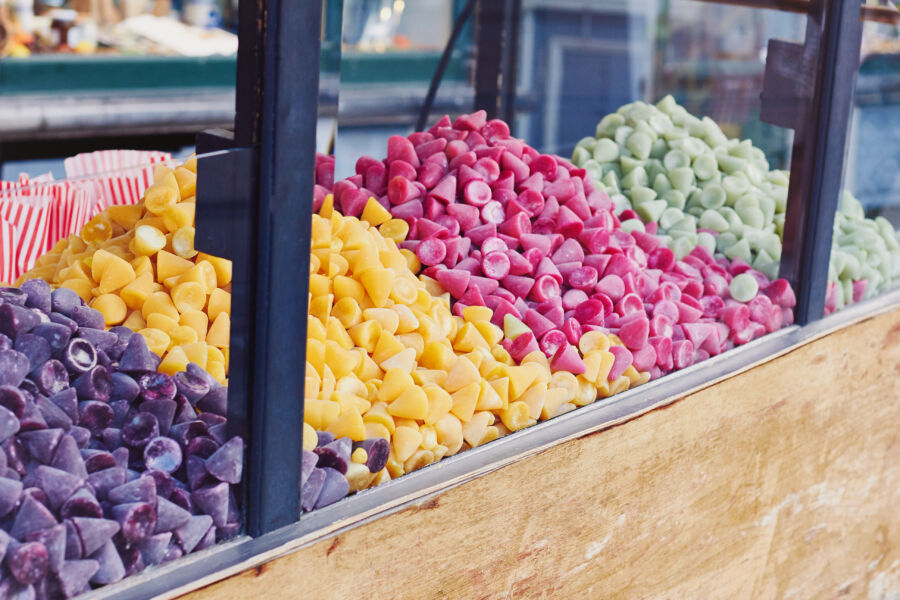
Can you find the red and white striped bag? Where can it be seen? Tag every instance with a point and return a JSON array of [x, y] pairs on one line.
[[121, 176]]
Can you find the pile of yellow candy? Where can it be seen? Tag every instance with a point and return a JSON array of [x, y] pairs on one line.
[[137, 265], [386, 357]]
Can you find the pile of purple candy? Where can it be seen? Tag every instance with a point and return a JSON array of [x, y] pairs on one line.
[[329, 473], [107, 465]]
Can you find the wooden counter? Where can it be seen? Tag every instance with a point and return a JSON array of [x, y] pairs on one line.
[[780, 482]]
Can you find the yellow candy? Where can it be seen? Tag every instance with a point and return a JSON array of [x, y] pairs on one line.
[[187, 180], [157, 340], [411, 404], [219, 334], [378, 283], [179, 215], [375, 213], [159, 302], [406, 441], [168, 265], [174, 361], [183, 242], [111, 307], [125, 215], [189, 296], [395, 229], [196, 320], [311, 439], [148, 240], [222, 267]]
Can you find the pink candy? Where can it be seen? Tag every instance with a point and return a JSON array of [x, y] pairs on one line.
[[500, 225]]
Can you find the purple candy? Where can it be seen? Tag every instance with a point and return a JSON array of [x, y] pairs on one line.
[[81, 504], [138, 358], [213, 500], [63, 300], [51, 377], [13, 367], [38, 295], [137, 520], [139, 430], [226, 464], [79, 356], [95, 384], [56, 335], [87, 317], [36, 348], [68, 457], [162, 454], [28, 562], [16, 320], [193, 387], [111, 568], [334, 488]]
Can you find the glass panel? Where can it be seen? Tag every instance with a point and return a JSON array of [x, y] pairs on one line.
[[138, 411], [566, 284], [865, 258], [390, 51]]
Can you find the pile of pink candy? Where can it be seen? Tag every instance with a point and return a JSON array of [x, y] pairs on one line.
[[499, 224]]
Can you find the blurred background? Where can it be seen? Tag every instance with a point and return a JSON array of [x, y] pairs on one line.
[[79, 75]]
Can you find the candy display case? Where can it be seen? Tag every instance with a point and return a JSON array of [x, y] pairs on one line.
[[585, 326]]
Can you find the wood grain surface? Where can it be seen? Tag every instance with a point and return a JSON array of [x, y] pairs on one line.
[[782, 482]]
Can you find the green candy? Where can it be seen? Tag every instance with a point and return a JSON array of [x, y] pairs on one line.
[[752, 217], [707, 240], [683, 246], [731, 164], [675, 159], [641, 194], [608, 125], [740, 249], [712, 196], [711, 219], [667, 104], [639, 143], [630, 225], [621, 135], [580, 155], [675, 199], [705, 166], [682, 179], [606, 150], [670, 217], [743, 288], [651, 210], [611, 181], [734, 187], [661, 184], [629, 164], [637, 177], [687, 225], [621, 202], [659, 149], [725, 241]]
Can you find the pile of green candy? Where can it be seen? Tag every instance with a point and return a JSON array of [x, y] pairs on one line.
[[660, 164]]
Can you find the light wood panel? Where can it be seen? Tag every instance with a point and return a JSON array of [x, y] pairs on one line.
[[782, 482]]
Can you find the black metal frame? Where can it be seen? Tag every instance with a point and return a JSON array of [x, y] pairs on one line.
[[810, 88], [260, 218], [255, 204]]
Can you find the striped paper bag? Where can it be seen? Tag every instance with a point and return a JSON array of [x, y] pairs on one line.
[[121, 176]]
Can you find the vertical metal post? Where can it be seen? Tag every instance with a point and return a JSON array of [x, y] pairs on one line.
[[489, 21], [818, 153], [255, 206], [287, 146], [511, 27]]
